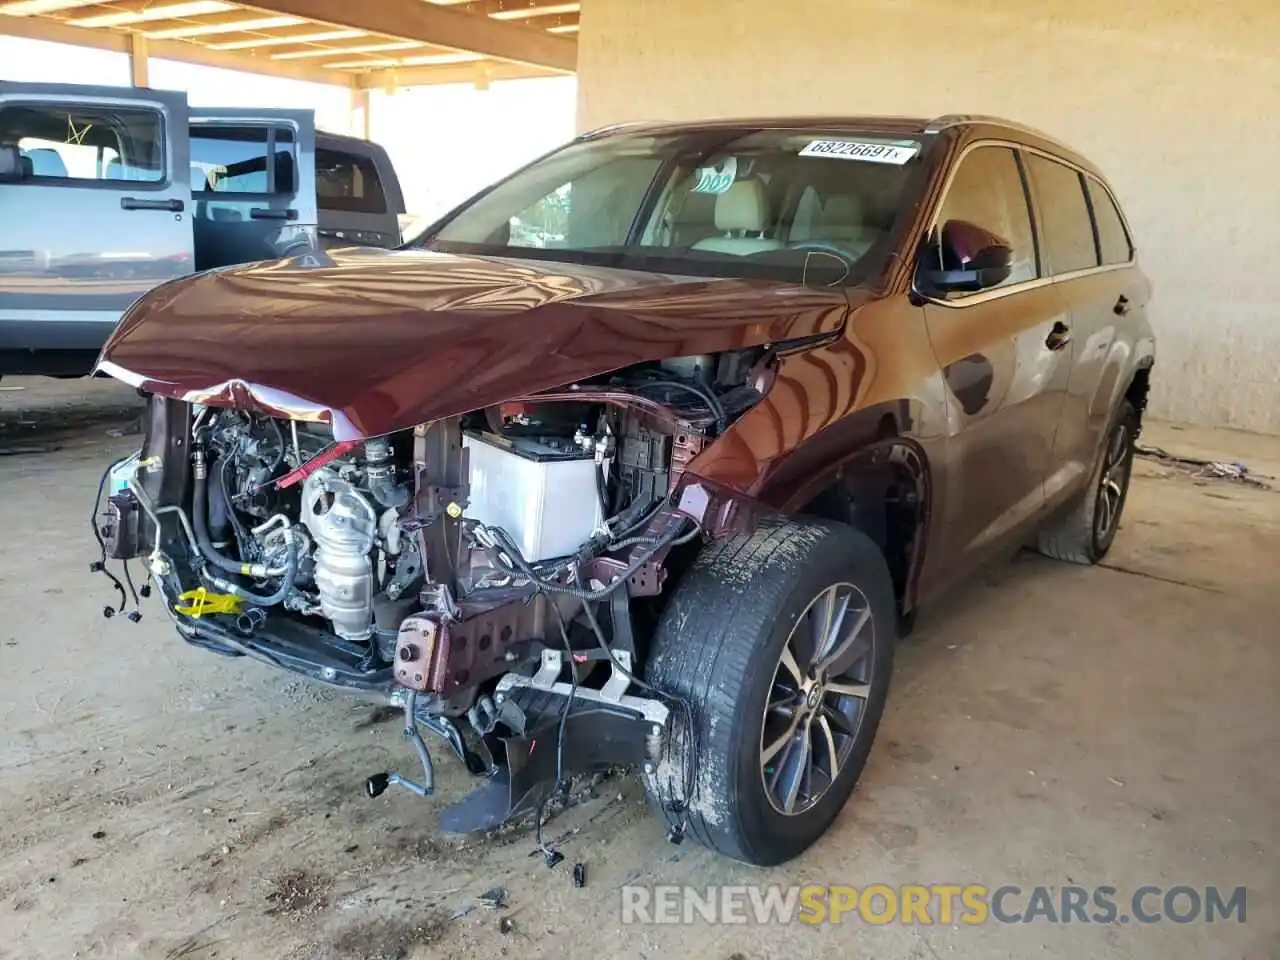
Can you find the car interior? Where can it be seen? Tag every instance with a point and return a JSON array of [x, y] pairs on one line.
[[821, 205], [760, 208]]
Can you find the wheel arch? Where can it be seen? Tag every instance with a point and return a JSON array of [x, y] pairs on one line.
[[1138, 389], [867, 459], [884, 487], [1125, 375]]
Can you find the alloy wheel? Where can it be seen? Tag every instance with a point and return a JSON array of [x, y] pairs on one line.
[[818, 698], [1113, 483]]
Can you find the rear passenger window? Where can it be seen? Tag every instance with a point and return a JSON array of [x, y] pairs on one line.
[[1112, 237], [74, 142], [347, 182], [1065, 228], [987, 191], [226, 159]]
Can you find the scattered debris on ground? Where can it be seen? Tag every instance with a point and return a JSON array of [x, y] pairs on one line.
[[1206, 469], [298, 893], [494, 899]]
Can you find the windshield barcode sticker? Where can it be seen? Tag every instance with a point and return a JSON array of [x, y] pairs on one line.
[[861, 150]]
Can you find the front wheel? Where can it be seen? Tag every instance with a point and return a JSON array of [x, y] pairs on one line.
[[781, 643]]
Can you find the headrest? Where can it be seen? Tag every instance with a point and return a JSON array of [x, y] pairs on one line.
[[743, 206]]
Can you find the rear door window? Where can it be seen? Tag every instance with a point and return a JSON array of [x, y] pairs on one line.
[[1066, 230], [1113, 239], [987, 191], [73, 142], [234, 159], [348, 182]]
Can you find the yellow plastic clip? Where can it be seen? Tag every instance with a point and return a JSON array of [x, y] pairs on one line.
[[200, 602]]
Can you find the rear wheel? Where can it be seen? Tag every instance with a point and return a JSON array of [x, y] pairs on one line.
[[1087, 532], [782, 644]]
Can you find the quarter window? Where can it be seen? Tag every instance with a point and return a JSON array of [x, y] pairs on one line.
[[347, 182], [1112, 237], [227, 159], [1065, 228], [86, 143], [988, 191]]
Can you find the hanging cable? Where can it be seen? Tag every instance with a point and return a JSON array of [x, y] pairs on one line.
[[100, 566], [508, 551], [706, 395], [552, 857]]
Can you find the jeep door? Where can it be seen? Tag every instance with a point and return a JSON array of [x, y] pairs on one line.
[[96, 216], [252, 180], [1005, 361]]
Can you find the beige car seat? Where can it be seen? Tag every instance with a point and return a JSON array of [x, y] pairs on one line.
[[843, 222], [742, 212]]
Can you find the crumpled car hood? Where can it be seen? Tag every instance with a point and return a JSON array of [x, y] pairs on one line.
[[374, 341]]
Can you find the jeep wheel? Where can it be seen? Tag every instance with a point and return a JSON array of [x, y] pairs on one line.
[[1085, 534], [782, 645]]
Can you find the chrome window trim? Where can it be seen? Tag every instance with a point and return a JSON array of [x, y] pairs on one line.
[[985, 296], [996, 293]]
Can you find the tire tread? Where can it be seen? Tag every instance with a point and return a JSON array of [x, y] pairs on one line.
[[703, 652]]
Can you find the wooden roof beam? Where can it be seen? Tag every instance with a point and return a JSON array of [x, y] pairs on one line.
[[33, 28], [238, 21], [30, 8], [518, 9], [440, 26], [479, 73]]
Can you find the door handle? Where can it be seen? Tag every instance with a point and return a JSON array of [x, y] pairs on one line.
[[173, 205], [1058, 337], [271, 213], [1122, 306]]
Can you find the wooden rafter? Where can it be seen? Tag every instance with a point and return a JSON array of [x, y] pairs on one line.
[[479, 73], [366, 45], [439, 25], [30, 8], [118, 42]]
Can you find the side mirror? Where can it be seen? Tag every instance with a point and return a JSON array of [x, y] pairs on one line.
[[965, 257], [11, 165]]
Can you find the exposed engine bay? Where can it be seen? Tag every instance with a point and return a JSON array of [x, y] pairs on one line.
[[493, 573]]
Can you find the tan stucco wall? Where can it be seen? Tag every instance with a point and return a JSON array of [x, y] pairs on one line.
[[1177, 100]]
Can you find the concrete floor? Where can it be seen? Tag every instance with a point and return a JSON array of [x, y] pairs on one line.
[[1051, 725]]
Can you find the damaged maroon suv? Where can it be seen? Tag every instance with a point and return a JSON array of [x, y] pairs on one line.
[[646, 454]]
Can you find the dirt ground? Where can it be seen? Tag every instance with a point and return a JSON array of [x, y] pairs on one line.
[[1051, 725]]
